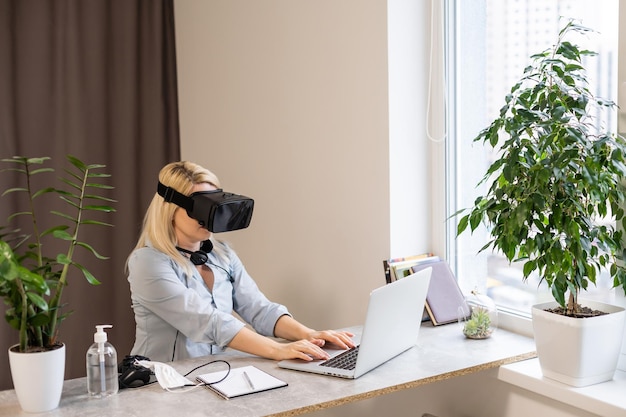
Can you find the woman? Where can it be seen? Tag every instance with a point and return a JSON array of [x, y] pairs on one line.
[[184, 309]]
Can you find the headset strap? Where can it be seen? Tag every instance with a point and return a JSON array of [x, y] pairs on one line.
[[170, 195]]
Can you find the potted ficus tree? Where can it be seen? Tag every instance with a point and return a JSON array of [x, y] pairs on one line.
[[554, 197], [32, 279]]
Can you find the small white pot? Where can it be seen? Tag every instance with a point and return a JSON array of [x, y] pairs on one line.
[[578, 352], [38, 378]]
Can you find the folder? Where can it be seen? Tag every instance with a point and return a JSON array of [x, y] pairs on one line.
[[445, 302]]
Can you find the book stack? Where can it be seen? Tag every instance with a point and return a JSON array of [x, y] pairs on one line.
[[401, 267], [445, 302]]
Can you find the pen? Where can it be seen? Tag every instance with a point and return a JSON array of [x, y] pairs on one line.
[[248, 380]]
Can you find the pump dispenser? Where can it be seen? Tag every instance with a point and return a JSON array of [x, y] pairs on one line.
[[102, 377]]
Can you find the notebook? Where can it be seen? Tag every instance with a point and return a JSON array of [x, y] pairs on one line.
[[392, 324], [240, 381], [445, 302]]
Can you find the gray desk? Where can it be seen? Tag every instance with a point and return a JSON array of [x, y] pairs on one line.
[[441, 353]]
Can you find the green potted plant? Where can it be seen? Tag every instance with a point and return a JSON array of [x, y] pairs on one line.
[[32, 280], [556, 174]]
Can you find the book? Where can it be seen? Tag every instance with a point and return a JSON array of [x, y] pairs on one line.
[[240, 381], [445, 302], [397, 268]]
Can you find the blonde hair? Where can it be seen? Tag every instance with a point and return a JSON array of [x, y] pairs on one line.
[[158, 223]]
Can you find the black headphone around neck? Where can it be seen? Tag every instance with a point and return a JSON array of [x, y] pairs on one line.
[[199, 257]]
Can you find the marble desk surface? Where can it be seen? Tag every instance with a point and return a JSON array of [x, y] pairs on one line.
[[441, 352]]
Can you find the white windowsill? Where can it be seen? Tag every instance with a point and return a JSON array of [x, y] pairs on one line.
[[515, 323], [605, 399]]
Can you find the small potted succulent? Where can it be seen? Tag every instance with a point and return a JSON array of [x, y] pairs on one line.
[[482, 319]]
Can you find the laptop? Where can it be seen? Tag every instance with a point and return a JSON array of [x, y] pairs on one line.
[[392, 324]]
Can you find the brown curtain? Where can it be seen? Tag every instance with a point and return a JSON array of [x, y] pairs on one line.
[[95, 79]]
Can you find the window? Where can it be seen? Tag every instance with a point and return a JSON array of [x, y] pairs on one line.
[[489, 43]]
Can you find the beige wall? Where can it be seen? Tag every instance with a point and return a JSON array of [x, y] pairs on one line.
[[287, 101]]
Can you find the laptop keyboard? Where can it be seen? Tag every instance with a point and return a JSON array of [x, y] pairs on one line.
[[345, 360]]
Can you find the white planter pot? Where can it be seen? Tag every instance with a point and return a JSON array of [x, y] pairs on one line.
[[38, 378], [578, 352], [620, 300]]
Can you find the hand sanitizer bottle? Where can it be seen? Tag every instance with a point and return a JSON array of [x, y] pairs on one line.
[[102, 377]]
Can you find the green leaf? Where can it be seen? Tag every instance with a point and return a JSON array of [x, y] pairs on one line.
[[39, 320], [100, 186], [32, 280], [91, 249], [559, 294], [37, 300], [63, 215], [88, 275], [77, 162], [62, 234], [529, 267], [462, 224], [99, 197], [14, 190], [96, 222], [63, 259], [106, 209]]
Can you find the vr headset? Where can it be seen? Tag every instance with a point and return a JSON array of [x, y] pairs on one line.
[[215, 210]]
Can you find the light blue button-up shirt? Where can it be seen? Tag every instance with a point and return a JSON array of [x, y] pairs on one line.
[[177, 317]]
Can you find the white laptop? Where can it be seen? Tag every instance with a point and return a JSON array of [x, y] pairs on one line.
[[392, 324]]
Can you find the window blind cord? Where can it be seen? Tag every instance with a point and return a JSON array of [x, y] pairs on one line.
[[430, 79]]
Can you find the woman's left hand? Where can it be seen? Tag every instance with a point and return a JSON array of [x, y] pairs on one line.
[[340, 338]]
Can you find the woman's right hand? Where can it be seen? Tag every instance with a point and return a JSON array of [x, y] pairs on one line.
[[300, 349], [249, 341]]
